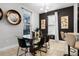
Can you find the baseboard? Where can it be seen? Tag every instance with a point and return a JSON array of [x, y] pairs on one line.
[[8, 47]]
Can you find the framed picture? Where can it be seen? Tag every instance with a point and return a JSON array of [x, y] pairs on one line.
[[13, 17], [1, 13], [64, 22], [43, 23]]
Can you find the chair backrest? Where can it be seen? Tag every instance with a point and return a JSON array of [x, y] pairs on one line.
[[70, 39], [21, 42], [37, 34], [47, 38], [62, 35]]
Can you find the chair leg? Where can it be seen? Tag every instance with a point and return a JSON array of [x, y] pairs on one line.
[[25, 51], [48, 45], [40, 53], [68, 50], [78, 52], [46, 48], [18, 51]]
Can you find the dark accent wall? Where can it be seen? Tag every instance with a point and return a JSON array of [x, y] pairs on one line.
[[78, 20], [68, 11], [44, 16]]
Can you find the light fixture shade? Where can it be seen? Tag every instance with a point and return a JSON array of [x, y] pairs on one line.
[[13, 17], [1, 13]]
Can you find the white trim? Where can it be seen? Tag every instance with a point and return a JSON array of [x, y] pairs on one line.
[[8, 47], [75, 17], [56, 33]]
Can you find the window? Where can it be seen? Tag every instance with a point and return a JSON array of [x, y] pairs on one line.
[[26, 18], [51, 25]]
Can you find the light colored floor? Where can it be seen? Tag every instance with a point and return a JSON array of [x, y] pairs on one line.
[[57, 48]]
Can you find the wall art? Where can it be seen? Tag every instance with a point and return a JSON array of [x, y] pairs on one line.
[[1, 13], [43, 24], [13, 17], [64, 22]]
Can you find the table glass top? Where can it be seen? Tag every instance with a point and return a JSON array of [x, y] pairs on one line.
[[27, 36]]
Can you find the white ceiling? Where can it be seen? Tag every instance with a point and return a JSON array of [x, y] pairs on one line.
[[52, 6]]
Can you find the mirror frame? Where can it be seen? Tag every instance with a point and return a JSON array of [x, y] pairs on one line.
[[1, 14], [13, 11]]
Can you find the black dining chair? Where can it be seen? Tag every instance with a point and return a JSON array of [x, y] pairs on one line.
[[41, 44], [29, 46], [22, 46]]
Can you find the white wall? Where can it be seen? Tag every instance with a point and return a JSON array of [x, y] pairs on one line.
[[35, 21], [9, 32]]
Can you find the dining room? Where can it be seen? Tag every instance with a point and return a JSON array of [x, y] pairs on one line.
[[39, 29]]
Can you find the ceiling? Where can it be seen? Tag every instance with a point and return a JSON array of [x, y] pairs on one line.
[[51, 6]]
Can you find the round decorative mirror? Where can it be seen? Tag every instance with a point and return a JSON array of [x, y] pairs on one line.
[[13, 17], [1, 13]]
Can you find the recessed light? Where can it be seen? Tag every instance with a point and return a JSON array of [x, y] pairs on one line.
[[41, 8], [46, 10], [47, 7]]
